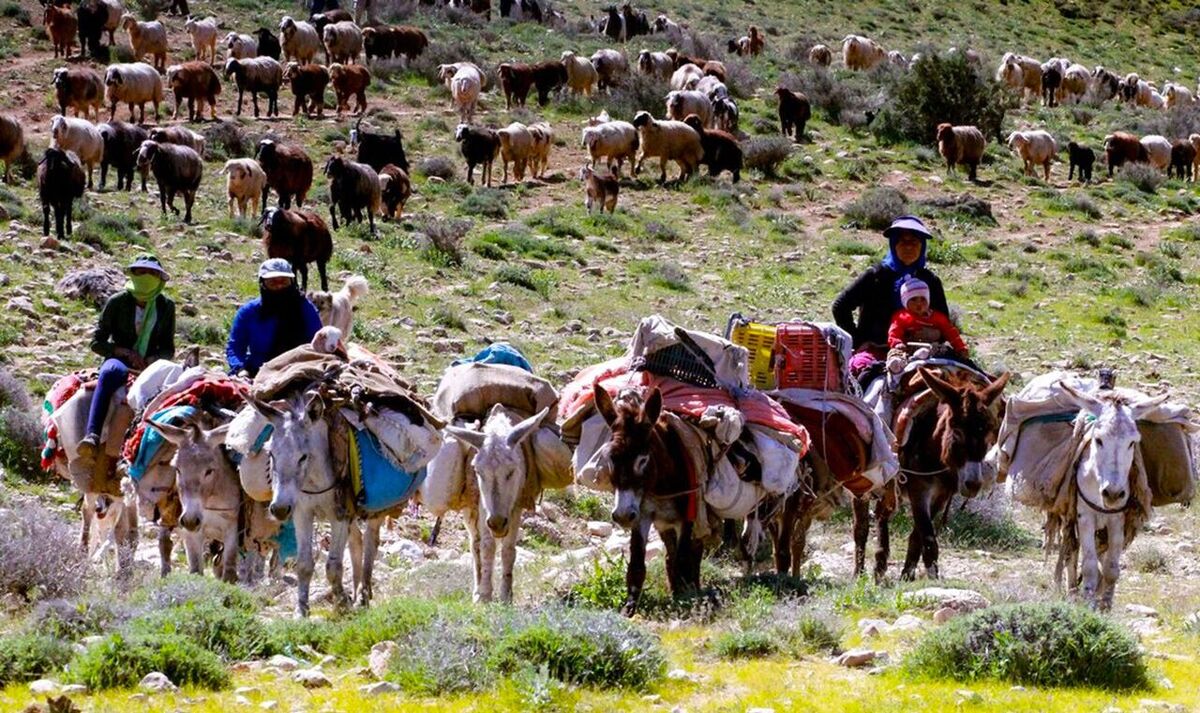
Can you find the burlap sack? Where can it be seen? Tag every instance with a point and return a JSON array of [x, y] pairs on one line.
[[1168, 458], [470, 391]]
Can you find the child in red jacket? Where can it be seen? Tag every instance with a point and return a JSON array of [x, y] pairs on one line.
[[916, 322]]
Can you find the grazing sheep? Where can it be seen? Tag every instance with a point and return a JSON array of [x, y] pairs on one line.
[[613, 140], [543, 140], [1051, 81], [861, 53], [204, 37], [95, 17], [656, 64], [1177, 95], [581, 75], [121, 142], [1121, 148], [1158, 151], [725, 114], [300, 237], [897, 59], [300, 40], [713, 68], [289, 171], [961, 144], [395, 189], [721, 150], [62, 26], [669, 140], [794, 112], [670, 28], [268, 43], [465, 86], [681, 104], [1020, 73], [1036, 148], [516, 147], [177, 169], [343, 43], [610, 67], [60, 181], [478, 7], [147, 38], [686, 75], [710, 87], [198, 83], [80, 88], [308, 85], [599, 190], [353, 188], [1139, 92], [245, 184], [1075, 83], [239, 47], [1105, 84], [81, 137], [517, 79], [132, 84], [479, 147], [385, 42], [350, 81], [820, 55], [12, 142], [378, 150], [321, 20], [1081, 157], [1183, 156], [254, 75], [179, 136], [521, 10]]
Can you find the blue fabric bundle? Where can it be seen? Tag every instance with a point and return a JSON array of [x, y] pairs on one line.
[[498, 353], [152, 440], [378, 484]]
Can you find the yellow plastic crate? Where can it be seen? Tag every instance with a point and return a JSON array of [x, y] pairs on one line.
[[759, 340]]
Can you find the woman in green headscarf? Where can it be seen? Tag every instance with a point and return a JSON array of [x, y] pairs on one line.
[[137, 327]]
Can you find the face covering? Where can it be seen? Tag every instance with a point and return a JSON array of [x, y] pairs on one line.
[[145, 289], [286, 308]]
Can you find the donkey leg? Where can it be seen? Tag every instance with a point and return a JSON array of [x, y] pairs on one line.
[[355, 543], [635, 573], [883, 521], [193, 546], [165, 546], [487, 557], [670, 538], [370, 551], [85, 534], [304, 559], [862, 531], [782, 531], [339, 532], [930, 550], [921, 533], [1112, 560], [126, 536], [800, 539], [691, 554], [1086, 524], [508, 557], [471, 523], [229, 555]]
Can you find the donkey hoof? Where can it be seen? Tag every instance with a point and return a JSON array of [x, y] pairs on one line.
[[908, 575]]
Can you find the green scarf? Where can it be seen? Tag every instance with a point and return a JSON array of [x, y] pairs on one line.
[[145, 289]]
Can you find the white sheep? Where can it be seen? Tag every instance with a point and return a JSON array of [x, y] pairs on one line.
[[1177, 95], [1075, 83], [132, 84], [860, 52], [581, 75], [80, 136], [343, 42], [300, 40], [668, 140], [1023, 74], [204, 37], [681, 104], [240, 46], [670, 28], [147, 38], [711, 87], [656, 64], [1158, 151], [685, 75], [1036, 148], [543, 140], [447, 72], [897, 59], [614, 140], [610, 66], [516, 147], [465, 87], [244, 185], [112, 19]]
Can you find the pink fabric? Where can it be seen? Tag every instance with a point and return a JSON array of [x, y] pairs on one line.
[[861, 360]]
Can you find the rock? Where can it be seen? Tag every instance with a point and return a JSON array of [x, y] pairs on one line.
[[283, 663], [907, 622], [599, 528], [856, 658], [1141, 610], [380, 658], [156, 682], [996, 304], [1150, 704], [269, 705], [139, 697], [963, 600], [245, 690], [968, 696], [379, 688], [73, 689], [43, 687], [22, 305], [311, 678], [678, 674], [945, 614], [405, 548], [49, 243], [242, 701]]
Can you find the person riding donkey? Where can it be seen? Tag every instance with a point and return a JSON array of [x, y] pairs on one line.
[[917, 323], [136, 328], [279, 319]]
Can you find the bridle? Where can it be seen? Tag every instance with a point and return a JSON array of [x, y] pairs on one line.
[[1129, 503]]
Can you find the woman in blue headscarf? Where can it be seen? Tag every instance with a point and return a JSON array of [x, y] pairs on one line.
[[875, 295]]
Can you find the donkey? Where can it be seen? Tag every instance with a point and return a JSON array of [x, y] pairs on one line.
[[158, 502], [652, 488], [494, 508], [943, 456]]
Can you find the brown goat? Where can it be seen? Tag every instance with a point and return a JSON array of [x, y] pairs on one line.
[[1121, 148], [385, 42], [62, 26], [396, 188], [961, 144], [198, 83], [289, 171], [721, 150], [1183, 155], [350, 80], [794, 112], [517, 79], [300, 237], [308, 85], [599, 190], [80, 88], [12, 143]]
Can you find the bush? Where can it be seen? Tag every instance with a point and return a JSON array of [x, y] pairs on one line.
[[232, 634], [28, 657], [444, 656], [436, 167], [287, 636], [73, 620], [228, 139], [443, 241], [1055, 644], [522, 276], [941, 89], [121, 661], [392, 620], [201, 331], [836, 100], [753, 643], [1141, 176], [636, 92], [602, 586], [13, 11], [487, 202], [40, 552], [20, 429], [876, 208], [181, 589], [765, 154]]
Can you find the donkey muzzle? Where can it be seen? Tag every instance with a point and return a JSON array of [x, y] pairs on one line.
[[280, 512], [190, 521], [498, 524]]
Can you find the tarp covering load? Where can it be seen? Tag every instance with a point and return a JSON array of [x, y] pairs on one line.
[[1040, 437]]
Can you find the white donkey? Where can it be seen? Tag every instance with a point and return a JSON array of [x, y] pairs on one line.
[[1106, 501], [493, 504]]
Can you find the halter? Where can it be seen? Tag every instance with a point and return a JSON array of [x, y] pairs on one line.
[[271, 469], [1106, 511]]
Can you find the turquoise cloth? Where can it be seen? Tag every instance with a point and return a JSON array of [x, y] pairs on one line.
[[286, 539], [384, 486], [499, 353], [152, 440]]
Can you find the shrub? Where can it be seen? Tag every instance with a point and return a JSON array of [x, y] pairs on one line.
[[740, 79], [835, 99], [669, 275], [1081, 203], [1141, 176], [753, 643], [287, 636], [72, 620], [941, 89], [846, 246], [602, 586], [232, 634], [40, 552], [443, 241], [13, 10], [444, 52], [436, 166], [20, 428], [876, 208], [515, 239], [1148, 558], [121, 661], [636, 92], [522, 276], [1054, 644], [972, 530], [104, 231], [201, 331], [487, 202], [765, 154], [228, 139], [181, 589], [808, 630], [444, 656], [392, 620], [27, 657]]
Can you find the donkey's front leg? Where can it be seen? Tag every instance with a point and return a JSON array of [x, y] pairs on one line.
[[303, 520], [339, 532], [508, 557], [1112, 560], [487, 557], [193, 546], [370, 550], [165, 546], [356, 559], [635, 573], [1085, 522], [229, 553]]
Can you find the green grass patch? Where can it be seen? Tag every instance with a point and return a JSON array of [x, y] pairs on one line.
[[122, 660], [27, 657]]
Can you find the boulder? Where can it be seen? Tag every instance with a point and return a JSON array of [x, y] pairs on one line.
[[283, 663], [311, 678], [857, 658], [156, 682], [379, 688], [380, 658]]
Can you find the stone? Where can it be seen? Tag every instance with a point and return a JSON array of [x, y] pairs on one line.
[[1150, 704], [311, 678], [283, 663], [945, 614], [599, 528], [242, 701], [157, 682], [43, 687], [73, 689], [968, 696], [380, 658], [856, 658], [907, 622], [269, 705], [139, 697], [22, 305], [964, 600], [1141, 610], [49, 243], [379, 688]]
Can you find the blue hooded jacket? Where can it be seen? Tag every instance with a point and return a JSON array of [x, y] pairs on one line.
[[252, 336]]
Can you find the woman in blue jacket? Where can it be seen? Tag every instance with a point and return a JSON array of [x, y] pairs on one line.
[[281, 318]]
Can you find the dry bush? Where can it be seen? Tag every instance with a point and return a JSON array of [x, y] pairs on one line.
[[41, 554]]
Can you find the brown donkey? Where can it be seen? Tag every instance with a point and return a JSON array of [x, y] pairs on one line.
[[943, 455], [653, 486]]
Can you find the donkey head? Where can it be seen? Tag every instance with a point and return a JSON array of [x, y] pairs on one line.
[[499, 462], [966, 427], [634, 471], [297, 444], [203, 475]]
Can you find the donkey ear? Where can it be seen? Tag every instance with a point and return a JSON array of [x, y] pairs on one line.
[[525, 428], [472, 439], [314, 406], [217, 435], [653, 406], [942, 389], [173, 434], [264, 409], [1140, 409], [1085, 402], [995, 389], [604, 404]]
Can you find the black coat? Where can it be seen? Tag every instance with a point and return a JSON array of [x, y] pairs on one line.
[[873, 294], [118, 328]]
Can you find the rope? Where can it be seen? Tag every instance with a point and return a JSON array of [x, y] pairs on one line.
[[1129, 502]]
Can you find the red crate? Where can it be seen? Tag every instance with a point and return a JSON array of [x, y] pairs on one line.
[[804, 359]]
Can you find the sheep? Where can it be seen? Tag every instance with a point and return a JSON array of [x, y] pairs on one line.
[[599, 190], [961, 144], [147, 38], [1183, 155], [669, 140], [447, 72], [177, 169], [289, 171], [614, 140], [254, 75], [300, 237], [685, 75], [239, 47], [353, 188], [80, 88], [204, 37], [62, 26], [384, 42], [300, 40], [897, 59], [350, 81], [656, 64], [1177, 95], [132, 84], [321, 20], [268, 43], [670, 28], [681, 104], [582, 77], [245, 184], [121, 142], [1194, 140], [1023, 74], [343, 43], [521, 10], [1105, 84], [1075, 83], [378, 150], [60, 181], [1139, 92], [479, 147], [610, 67], [395, 189], [1081, 157], [465, 87], [516, 147], [517, 79], [95, 17], [543, 140], [794, 112], [308, 84], [12, 143], [179, 136], [861, 53], [714, 68], [81, 137], [198, 83], [1051, 81], [1158, 151], [721, 150], [1121, 148], [725, 114], [820, 55], [1036, 148]]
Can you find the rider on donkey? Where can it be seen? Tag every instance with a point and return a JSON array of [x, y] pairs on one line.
[[279, 319]]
